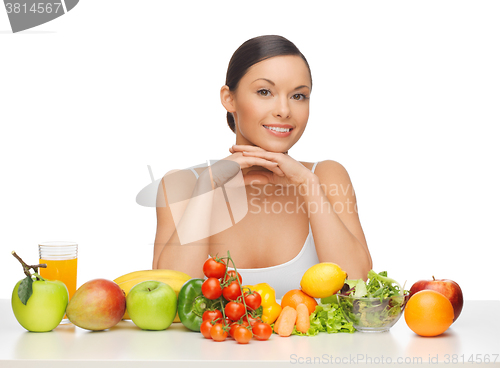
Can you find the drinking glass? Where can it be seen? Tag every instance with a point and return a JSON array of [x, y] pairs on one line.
[[61, 258]]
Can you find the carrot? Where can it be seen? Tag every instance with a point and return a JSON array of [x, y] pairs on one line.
[[288, 317], [277, 323], [302, 323]]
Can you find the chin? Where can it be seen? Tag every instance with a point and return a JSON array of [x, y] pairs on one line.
[[278, 148]]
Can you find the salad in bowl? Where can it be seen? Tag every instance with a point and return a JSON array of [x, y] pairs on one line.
[[375, 305]]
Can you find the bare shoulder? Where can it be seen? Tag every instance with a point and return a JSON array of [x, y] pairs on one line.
[[330, 171], [335, 178]]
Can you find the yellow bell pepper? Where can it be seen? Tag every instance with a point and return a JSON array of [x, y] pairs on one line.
[[270, 308]]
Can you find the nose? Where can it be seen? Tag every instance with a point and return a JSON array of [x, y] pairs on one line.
[[282, 108]]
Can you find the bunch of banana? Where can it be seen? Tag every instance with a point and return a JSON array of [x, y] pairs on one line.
[[170, 277]]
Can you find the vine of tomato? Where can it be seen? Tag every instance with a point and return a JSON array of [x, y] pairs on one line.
[[236, 317], [251, 320], [232, 274]]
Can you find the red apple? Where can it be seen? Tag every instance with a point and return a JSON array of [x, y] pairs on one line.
[[97, 305], [448, 288]]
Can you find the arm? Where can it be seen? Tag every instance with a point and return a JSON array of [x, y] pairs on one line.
[[169, 253], [332, 211]]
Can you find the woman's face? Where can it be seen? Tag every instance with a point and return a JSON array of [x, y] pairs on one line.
[[273, 93]]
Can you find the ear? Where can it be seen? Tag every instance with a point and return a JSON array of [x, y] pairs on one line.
[[227, 99]]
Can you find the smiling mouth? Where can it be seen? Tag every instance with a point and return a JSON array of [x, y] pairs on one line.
[[280, 130]]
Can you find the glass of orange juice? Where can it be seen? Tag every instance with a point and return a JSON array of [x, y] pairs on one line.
[[61, 258]]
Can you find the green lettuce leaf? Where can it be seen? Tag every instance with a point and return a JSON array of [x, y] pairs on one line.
[[326, 318], [359, 285], [381, 286]]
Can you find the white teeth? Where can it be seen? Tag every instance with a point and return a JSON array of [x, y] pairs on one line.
[[283, 130]]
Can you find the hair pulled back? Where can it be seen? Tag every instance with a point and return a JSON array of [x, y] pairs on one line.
[[253, 51]]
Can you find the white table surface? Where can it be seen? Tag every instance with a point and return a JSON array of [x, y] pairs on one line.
[[474, 335]]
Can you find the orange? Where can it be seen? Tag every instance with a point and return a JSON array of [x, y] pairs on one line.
[[429, 313], [295, 297]]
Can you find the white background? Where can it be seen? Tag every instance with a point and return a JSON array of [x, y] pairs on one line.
[[405, 96]]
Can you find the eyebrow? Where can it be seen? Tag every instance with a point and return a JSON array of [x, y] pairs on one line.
[[271, 82]]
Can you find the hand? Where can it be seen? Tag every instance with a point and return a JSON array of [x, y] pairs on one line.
[[294, 173], [222, 173]]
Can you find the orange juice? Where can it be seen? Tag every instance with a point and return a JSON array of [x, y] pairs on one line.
[[62, 270]]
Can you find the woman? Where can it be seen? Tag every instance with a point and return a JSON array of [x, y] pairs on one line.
[[300, 213]]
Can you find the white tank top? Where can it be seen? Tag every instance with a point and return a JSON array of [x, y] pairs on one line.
[[286, 276]]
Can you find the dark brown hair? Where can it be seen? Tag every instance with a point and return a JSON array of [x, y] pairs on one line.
[[253, 51]]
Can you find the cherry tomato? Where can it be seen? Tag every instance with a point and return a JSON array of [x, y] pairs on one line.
[[233, 325], [253, 300], [232, 328], [242, 335], [211, 288], [232, 274], [218, 333], [205, 328], [213, 268], [262, 331], [212, 315], [232, 291], [251, 320], [234, 310]]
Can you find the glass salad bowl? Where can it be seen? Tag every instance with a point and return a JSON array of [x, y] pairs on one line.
[[372, 314]]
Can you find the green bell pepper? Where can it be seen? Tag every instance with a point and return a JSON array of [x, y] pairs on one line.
[[192, 304]]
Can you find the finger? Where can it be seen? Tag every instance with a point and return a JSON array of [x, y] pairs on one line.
[[246, 147], [271, 156], [272, 166]]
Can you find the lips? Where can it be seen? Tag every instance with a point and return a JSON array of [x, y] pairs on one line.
[[276, 131], [279, 125]]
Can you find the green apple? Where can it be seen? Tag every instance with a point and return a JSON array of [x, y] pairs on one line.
[[152, 305], [44, 309]]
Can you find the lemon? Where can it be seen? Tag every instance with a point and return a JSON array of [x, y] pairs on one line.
[[323, 279]]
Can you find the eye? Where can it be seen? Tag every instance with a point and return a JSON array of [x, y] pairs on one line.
[[264, 92], [299, 96]]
